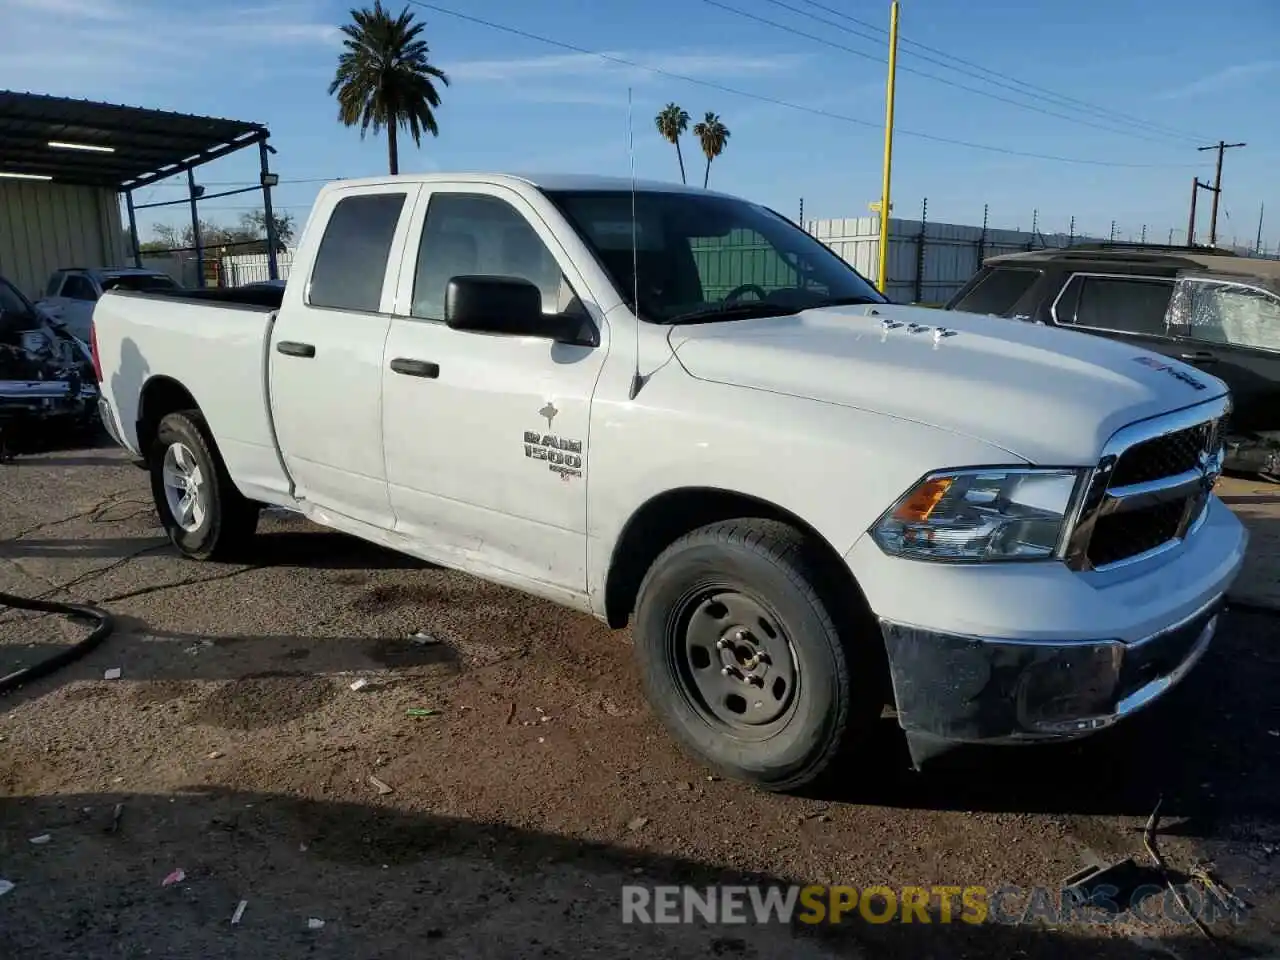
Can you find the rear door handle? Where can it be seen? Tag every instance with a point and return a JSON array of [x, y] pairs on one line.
[[292, 348], [1200, 356], [415, 368]]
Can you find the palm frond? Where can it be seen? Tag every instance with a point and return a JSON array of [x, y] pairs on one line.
[[384, 76]]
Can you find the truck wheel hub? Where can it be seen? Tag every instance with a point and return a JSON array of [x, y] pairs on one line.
[[184, 487], [739, 663]]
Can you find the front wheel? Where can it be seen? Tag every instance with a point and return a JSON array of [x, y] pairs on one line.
[[202, 512], [746, 652]]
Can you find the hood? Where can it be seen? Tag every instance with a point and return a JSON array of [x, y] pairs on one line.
[[1046, 395]]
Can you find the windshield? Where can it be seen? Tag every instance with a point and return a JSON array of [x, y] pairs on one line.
[[139, 282], [708, 257]]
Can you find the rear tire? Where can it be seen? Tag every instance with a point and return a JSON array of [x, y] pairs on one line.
[[751, 656], [202, 512]]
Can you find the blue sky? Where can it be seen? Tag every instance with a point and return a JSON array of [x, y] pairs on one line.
[[518, 104]]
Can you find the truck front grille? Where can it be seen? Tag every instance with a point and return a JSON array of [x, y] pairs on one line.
[[1122, 535], [1150, 489], [1164, 456]]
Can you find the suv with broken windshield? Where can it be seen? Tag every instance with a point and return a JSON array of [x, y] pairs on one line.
[[1213, 310]]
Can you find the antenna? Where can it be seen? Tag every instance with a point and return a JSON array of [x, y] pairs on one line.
[[635, 253]]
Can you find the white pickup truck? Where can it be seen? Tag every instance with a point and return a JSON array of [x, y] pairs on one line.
[[676, 408]]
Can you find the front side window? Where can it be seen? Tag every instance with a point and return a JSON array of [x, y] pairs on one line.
[[351, 263], [1119, 304], [77, 287], [467, 234], [687, 257], [998, 292], [1232, 315]]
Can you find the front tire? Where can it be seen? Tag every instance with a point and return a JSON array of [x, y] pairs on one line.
[[202, 512], [748, 654]]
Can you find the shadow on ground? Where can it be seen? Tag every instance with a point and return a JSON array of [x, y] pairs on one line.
[[392, 883]]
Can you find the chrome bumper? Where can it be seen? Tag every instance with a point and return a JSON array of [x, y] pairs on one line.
[[956, 689]]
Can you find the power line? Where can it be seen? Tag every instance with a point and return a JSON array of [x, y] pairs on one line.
[[921, 73], [1042, 91], [830, 115]]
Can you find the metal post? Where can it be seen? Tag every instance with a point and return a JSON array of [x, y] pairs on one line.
[[272, 269], [982, 238], [1191, 221], [195, 227], [924, 218], [1257, 246], [133, 229], [888, 149], [1071, 237], [1171, 236]]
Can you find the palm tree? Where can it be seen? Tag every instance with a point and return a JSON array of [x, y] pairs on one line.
[[714, 135], [384, 78], [672, 122]]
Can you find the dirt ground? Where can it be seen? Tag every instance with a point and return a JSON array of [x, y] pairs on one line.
[[538, 785]]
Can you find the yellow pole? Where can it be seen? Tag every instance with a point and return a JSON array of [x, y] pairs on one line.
[[888, 148]]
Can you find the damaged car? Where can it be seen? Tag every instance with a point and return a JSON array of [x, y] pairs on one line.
[[47, 382]]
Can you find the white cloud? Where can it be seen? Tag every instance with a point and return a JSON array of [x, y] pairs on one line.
[[647, 66], [113, 49], [1222, 80]]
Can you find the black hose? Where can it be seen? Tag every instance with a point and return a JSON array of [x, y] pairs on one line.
[[104, 621]]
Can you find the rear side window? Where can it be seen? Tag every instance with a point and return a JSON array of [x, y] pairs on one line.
[[55, 283], [78, 288], [351, 263], [998, 292], [139, 282], [1120, 304]]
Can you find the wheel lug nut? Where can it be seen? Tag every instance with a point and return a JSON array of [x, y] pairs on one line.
[[720, 644], [727, 671]]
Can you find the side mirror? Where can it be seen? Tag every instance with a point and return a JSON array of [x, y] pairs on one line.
[[504, 305]]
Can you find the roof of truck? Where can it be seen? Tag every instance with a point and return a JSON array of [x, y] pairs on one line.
[[543, 181]]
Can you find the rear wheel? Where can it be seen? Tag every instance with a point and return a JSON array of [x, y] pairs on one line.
[[202, 512], [750, 656]]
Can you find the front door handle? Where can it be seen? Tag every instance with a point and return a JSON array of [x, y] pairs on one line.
[[415, 368], [1200, 356], [292, 348]]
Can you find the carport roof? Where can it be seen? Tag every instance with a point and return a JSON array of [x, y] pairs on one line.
[[137, 145]]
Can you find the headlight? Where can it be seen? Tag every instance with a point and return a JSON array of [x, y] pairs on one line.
[[975, 515]]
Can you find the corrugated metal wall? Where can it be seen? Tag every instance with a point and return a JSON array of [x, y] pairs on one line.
[[950, 252], [47, 226]]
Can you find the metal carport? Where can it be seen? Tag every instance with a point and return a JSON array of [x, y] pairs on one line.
[[50, 145]]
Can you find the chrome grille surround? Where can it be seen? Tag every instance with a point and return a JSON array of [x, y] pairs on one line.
[[1146, 513]]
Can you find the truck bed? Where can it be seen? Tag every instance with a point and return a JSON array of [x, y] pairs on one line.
[[266, 296], [213, 344]]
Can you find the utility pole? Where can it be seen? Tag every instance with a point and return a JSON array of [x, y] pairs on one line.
[[1221, 146], [888, 148], [1257, 246], [1196, 187]]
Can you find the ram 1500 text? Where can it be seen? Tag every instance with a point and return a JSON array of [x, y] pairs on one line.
[[675, 408]]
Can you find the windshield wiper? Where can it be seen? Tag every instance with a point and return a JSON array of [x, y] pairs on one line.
[[733, 311]]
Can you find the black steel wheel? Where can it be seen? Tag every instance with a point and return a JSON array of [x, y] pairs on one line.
[[748, 655]]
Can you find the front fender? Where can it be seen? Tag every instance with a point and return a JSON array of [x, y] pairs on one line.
[[836, 468]]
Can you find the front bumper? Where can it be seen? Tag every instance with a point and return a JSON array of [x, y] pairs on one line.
[[1012, 653], [979, 689]]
